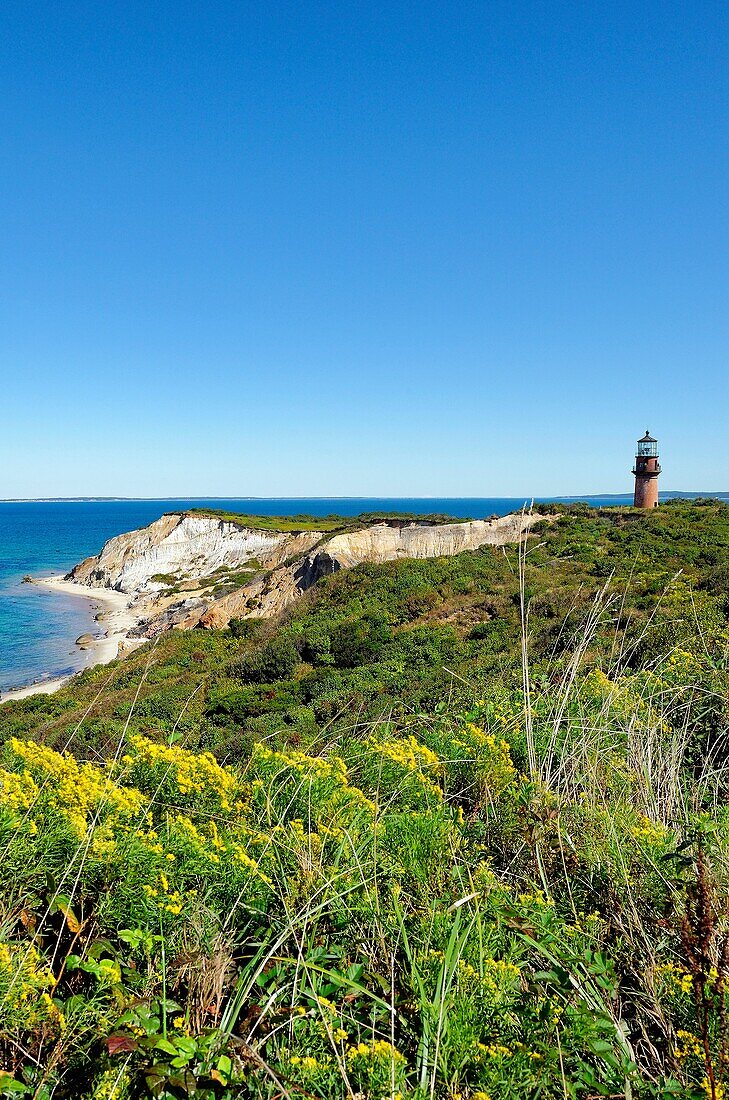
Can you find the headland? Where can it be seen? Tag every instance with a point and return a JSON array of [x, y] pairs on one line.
[[202, 568]]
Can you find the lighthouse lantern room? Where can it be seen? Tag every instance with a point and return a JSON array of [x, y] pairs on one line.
[[646, 470]]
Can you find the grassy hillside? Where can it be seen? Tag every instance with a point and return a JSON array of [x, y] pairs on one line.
[[453, 828]]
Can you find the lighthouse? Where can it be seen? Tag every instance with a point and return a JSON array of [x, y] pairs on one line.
[[646, 470]]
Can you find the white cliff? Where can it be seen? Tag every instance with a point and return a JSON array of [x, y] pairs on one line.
[[191, 548], [384, 542], [184, 546], [266, 596]]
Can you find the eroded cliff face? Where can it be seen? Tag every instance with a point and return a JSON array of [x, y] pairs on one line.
[[192, 548], [384, 542], [267, 596], [184, 546]]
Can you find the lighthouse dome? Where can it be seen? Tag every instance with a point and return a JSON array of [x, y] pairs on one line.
[[648, 446]]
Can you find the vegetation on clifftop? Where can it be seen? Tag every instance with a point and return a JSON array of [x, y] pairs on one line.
[[453, 828], [326, 524]]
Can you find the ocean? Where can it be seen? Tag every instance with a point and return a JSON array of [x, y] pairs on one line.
[[38, 628]]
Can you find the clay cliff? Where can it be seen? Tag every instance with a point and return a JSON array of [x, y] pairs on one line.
[[181, 552], [186, 547], [267, 596]]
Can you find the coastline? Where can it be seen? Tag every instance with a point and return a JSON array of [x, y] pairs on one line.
[[118, 620]]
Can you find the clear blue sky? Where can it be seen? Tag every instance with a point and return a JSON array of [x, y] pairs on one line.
[[356, 248]]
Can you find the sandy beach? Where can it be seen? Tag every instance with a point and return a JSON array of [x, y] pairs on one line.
[[118, 619]]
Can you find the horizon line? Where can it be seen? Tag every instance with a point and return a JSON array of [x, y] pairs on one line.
[[542, 497]]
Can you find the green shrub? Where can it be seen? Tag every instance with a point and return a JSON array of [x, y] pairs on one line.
[[275, 660], [359, 641], [245, 628]]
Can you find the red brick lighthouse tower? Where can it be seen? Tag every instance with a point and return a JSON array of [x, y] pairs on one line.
[[646, 470]]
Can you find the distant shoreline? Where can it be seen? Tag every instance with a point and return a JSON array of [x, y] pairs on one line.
[[671, 494], [118, 619]]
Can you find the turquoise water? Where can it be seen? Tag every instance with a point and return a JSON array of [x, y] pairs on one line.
[[38, 628]]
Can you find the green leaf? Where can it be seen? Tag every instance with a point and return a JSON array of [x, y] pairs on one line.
[[165, 1045], [11, 1087], [225, 1066], [599, 1046], [155, 1081]]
